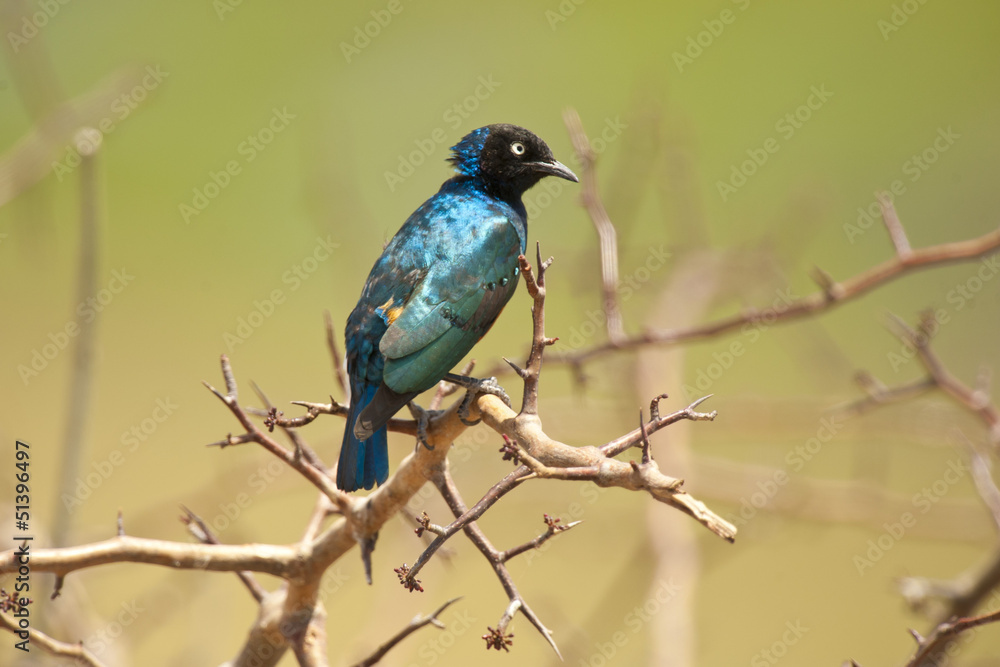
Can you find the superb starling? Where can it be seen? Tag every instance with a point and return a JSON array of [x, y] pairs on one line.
[[438, 287]]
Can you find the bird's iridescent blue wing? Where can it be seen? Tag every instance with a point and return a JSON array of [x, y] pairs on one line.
[[449, 311]]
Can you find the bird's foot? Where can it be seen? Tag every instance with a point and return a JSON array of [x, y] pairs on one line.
[[423, 419], [474, 387]]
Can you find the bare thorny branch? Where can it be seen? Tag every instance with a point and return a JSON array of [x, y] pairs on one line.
[[929, 648], [831, 294], [295, 607], [964, 594], [291, 618]]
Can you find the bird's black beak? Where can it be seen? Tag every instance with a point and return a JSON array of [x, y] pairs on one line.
[[554, 168]]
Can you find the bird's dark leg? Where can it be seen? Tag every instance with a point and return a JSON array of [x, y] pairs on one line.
[[423, 419], [474, 387]]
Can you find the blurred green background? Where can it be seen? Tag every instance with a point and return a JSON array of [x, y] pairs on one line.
[[309, 116]]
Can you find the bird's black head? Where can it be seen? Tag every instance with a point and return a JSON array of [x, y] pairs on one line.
[[507, 158]]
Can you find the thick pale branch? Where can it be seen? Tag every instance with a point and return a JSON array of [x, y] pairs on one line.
[[527, 431], [281, 561]]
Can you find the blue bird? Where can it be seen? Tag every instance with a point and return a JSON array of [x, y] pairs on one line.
[[437, 288]]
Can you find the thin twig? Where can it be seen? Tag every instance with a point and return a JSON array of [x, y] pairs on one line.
[[339, 371], [201, 532], [656, 422], [293, 436], [414, 625], [943, 633], [77, 652], [974, 401], [446, 486], [553, 528], [495, 493], [827, 298], [315, 475], [879, 394], [897, 234], [531, 373]]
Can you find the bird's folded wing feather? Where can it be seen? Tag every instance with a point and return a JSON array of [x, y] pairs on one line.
[[449, 310]]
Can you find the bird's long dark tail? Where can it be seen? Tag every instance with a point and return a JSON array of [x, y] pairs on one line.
[[364, 456], [363, 462]]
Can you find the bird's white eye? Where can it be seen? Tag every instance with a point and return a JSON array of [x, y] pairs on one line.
[[517, 148]]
